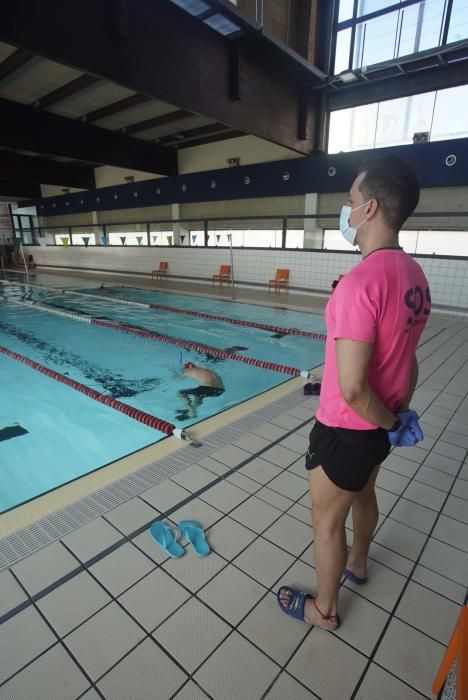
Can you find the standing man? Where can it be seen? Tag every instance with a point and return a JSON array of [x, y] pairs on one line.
[[374, 320]]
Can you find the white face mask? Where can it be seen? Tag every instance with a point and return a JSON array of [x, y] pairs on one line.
[[349, 232]]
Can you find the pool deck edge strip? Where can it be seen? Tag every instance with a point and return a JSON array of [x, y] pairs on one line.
[[145, 418]]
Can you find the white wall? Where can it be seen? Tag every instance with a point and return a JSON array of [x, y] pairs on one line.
[[309, 270]]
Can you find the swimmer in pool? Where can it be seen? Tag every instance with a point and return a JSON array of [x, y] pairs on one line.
[[210, 384]]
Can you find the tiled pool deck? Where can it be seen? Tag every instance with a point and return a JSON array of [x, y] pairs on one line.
[[98, 611]]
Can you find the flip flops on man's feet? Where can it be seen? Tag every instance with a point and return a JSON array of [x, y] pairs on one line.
[[163, 535], [296, 605]]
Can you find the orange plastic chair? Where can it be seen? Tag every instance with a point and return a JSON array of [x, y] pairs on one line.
[[457, 650], [161, 271], [224, 275], [281, 279]]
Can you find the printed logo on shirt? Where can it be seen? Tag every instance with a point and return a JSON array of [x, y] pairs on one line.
[[420, 304]]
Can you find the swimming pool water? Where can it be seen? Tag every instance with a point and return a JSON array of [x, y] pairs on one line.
[[69, 434]]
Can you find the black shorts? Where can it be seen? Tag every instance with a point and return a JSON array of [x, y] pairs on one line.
[[202, 391], [347, 456]]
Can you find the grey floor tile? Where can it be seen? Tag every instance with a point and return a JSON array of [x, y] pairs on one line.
[[296, 443], [146, 672], [192, 571], [303, 412], [146, 544], [92, 539], [401, 465], [165, 495], [255, 514], [53, 676], [197, 510], [390, 559], [264, 561], [194, 477], [104, 639], [380, 684], [385, 500], [270, 431], [289, 485], [383, 586], [22, 638], [390, 481], [11, 593], [410, 655], [446, 560], [429, 430], [275, 499], [270, 630], [191, 691], [442, 463], [401, 539], [452, 532], [243, 482], [280, 456], [453, 451], [287, 687], [414, 515], [131, 515], [301, 575], [260, 470], [301, 513], [439, 584], [460, 489], [220, 676], [191, 634], [90, 695], [456, 508], [455, 438], [290, 534], [154, 599], [232, 594], [286, 421], [363, 622], [213, 465], [228, 537], [224, 496], [435, 478], [425, 495], [314, 664], [252, 443], [122, 568], [231, 456], [298, 468], [73, 602], [414, 453], [431, 613], [47, 566]]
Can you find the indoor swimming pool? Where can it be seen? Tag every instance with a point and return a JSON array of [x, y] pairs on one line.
[[53, 429]]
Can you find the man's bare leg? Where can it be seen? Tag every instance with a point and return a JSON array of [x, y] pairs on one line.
[[330, 507], [365, 518]]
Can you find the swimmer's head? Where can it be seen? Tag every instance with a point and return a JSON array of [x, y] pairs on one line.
[[189, 365]]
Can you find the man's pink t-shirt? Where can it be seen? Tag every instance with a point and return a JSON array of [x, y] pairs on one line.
[[384, 300]]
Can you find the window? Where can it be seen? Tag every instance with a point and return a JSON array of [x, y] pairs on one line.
[[423, 242]]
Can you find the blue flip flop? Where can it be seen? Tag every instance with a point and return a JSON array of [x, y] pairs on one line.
[[196, 536], [295, 607], [354, 579], [163, 535]]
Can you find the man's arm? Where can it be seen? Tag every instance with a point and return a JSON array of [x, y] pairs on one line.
[[352, 358], [413, 381]]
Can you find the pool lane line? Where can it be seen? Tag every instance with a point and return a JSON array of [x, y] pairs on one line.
[[197, 314], [145, 418], [179, 342]]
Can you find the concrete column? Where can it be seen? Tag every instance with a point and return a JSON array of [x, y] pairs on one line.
[[313, 234], [181, 234]]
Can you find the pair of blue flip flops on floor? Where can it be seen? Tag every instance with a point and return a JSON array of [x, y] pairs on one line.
[[167, 540]]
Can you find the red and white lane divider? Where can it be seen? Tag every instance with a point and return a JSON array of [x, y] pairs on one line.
[[179, 342], [198, 314], [145, 418]]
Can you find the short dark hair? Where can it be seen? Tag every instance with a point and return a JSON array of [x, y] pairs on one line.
[[394, 183]]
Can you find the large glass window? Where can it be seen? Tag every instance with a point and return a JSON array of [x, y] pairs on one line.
[[423, 242]]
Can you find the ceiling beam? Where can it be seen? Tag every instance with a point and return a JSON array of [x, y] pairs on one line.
[[22, 168], [120, 106], [176, 116], [19, 190], [182, 136], [42, 132], [14, 61], [167, 54], [74, 86], [210, 139]]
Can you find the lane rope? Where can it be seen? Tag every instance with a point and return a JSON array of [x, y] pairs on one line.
[[197, 314], [145, 418], [179, 342]]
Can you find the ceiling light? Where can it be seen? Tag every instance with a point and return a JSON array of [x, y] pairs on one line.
[[347, 76], [222, 24], [195, 7]]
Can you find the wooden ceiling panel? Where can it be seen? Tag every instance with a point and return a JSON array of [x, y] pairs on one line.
[[36, 78], [6, 50], [93, 97], [173, 128], [153, 108]]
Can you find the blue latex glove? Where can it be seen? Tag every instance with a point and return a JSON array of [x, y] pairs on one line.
[[409, 433]]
